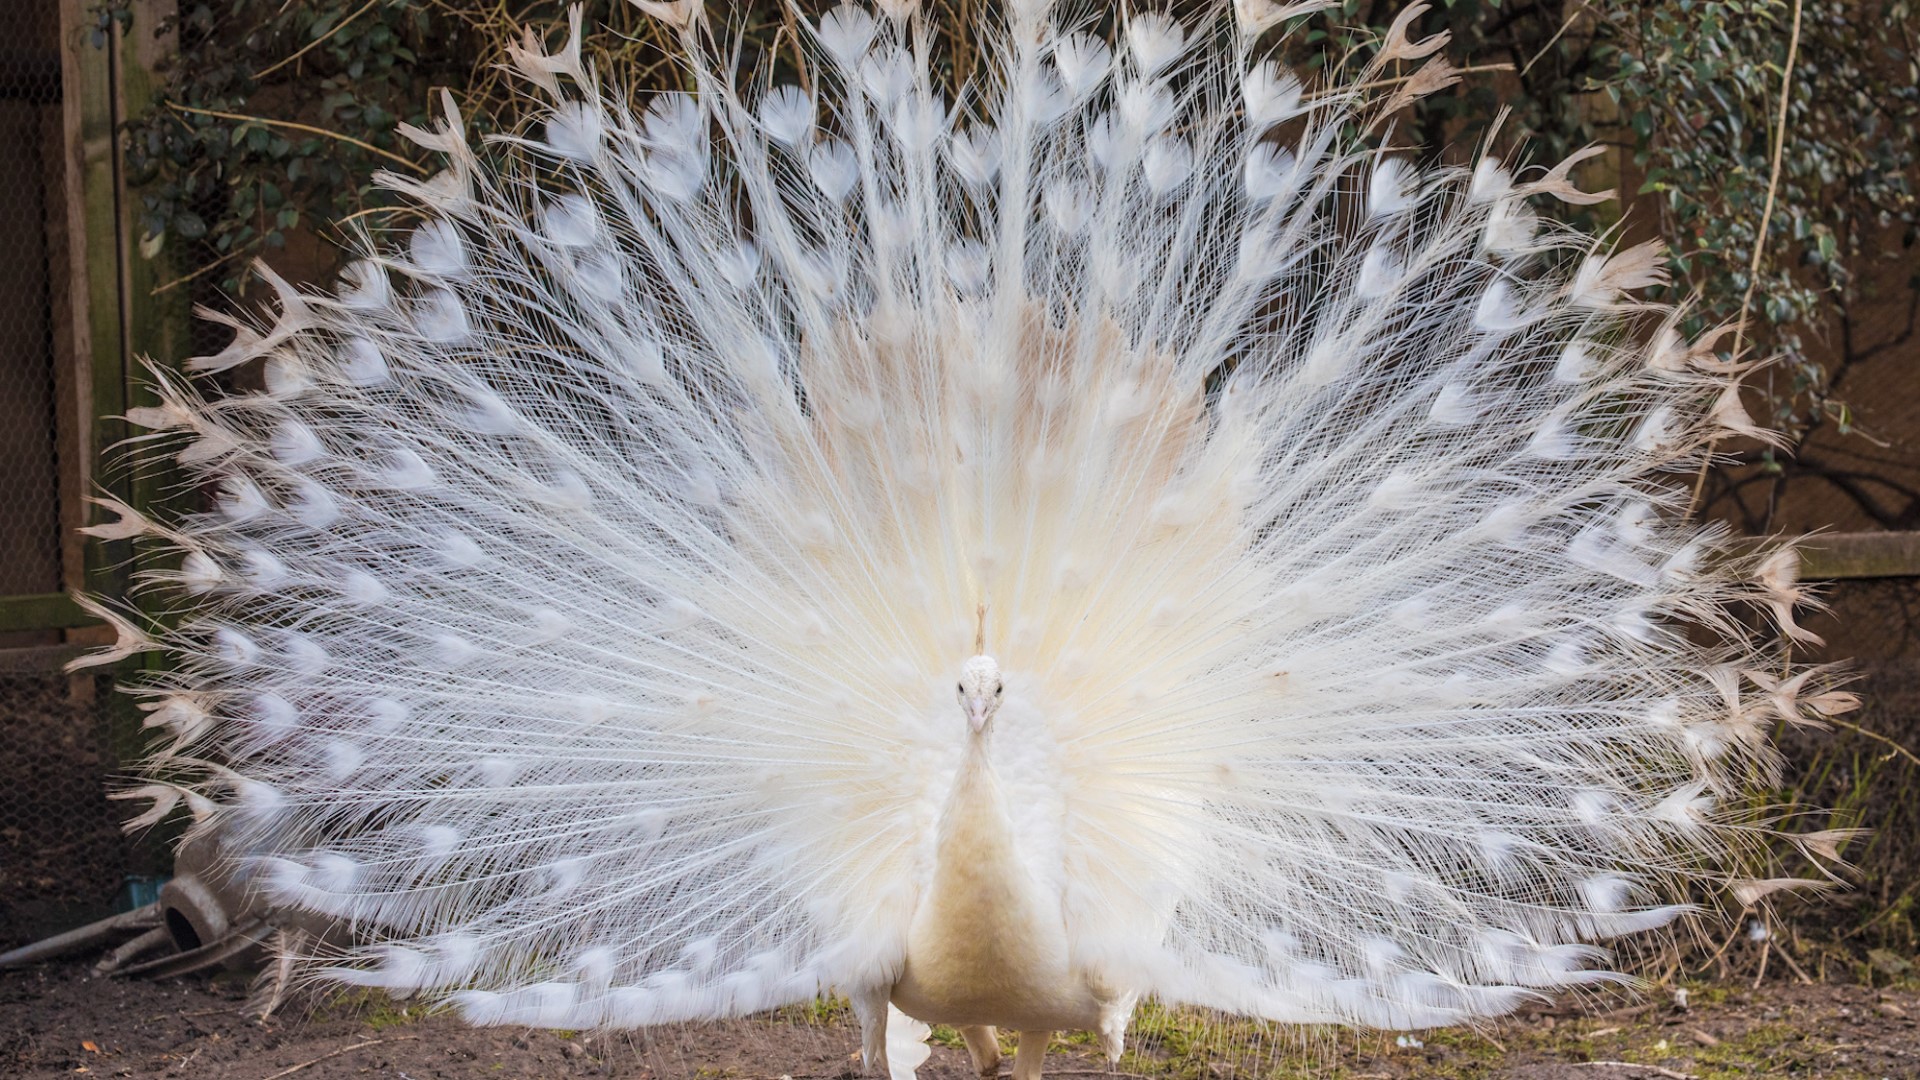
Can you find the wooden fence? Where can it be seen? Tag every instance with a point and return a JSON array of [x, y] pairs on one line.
[[100, 294]]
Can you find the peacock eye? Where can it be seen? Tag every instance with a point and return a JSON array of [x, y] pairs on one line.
[[959, 688], [997, 687]]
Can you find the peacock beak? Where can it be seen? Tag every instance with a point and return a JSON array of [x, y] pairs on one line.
[[979, 711]]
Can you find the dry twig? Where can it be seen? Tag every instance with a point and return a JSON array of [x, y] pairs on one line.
[[1760, 235], [292, 126], [1654, 1069], [291, 1069]]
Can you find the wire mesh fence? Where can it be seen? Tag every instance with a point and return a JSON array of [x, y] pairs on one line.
[[62, 856], [31, 220], [1874, 627]]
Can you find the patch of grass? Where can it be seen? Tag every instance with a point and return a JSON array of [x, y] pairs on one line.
[[1077, 1038], [1704, 993], [1775, 1048], [1187, 1044], [823, 1011], [375, 1008], [1467, 1042], [946, 1036], [1767, 1049]]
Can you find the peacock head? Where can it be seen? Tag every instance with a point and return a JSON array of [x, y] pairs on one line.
[[979, 691]]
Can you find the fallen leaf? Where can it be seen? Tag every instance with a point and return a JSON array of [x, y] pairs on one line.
[[1890, 962]]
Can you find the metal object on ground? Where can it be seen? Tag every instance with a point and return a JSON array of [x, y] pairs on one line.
[[91, 936], [205, 918]]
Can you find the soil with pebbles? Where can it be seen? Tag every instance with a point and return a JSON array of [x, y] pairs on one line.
[[61, 1020]]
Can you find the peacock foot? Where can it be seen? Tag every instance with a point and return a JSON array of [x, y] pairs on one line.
[[983, 1046]]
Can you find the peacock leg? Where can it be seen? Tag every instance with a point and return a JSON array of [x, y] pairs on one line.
[[870, 1007], [983, 1046], [1030, 1053], [1114, 1015]]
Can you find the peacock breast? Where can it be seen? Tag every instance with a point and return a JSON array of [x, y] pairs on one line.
[[988, 943]]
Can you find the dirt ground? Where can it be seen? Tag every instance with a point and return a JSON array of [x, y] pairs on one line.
[[60, 1020]]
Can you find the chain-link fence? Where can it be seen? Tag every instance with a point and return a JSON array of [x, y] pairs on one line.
[[31, 225], [62, 857], [1874, 627]]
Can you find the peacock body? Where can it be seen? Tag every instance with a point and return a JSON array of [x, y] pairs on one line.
[[582, 606]]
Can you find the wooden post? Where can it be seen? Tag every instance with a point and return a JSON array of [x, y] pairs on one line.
[[155, 323], [71, 340], [113, 317], [116, 319], [93, 283], [1860, 555]]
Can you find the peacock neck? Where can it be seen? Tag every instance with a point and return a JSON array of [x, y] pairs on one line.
[[975, 830], [977, 875]]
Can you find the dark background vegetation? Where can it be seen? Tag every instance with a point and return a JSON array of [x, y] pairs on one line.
[[1794, 209]]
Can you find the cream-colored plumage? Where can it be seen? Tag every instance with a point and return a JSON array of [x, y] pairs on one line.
[[987, 946]]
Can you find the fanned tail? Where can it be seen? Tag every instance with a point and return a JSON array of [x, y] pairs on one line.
[[579, 610]]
